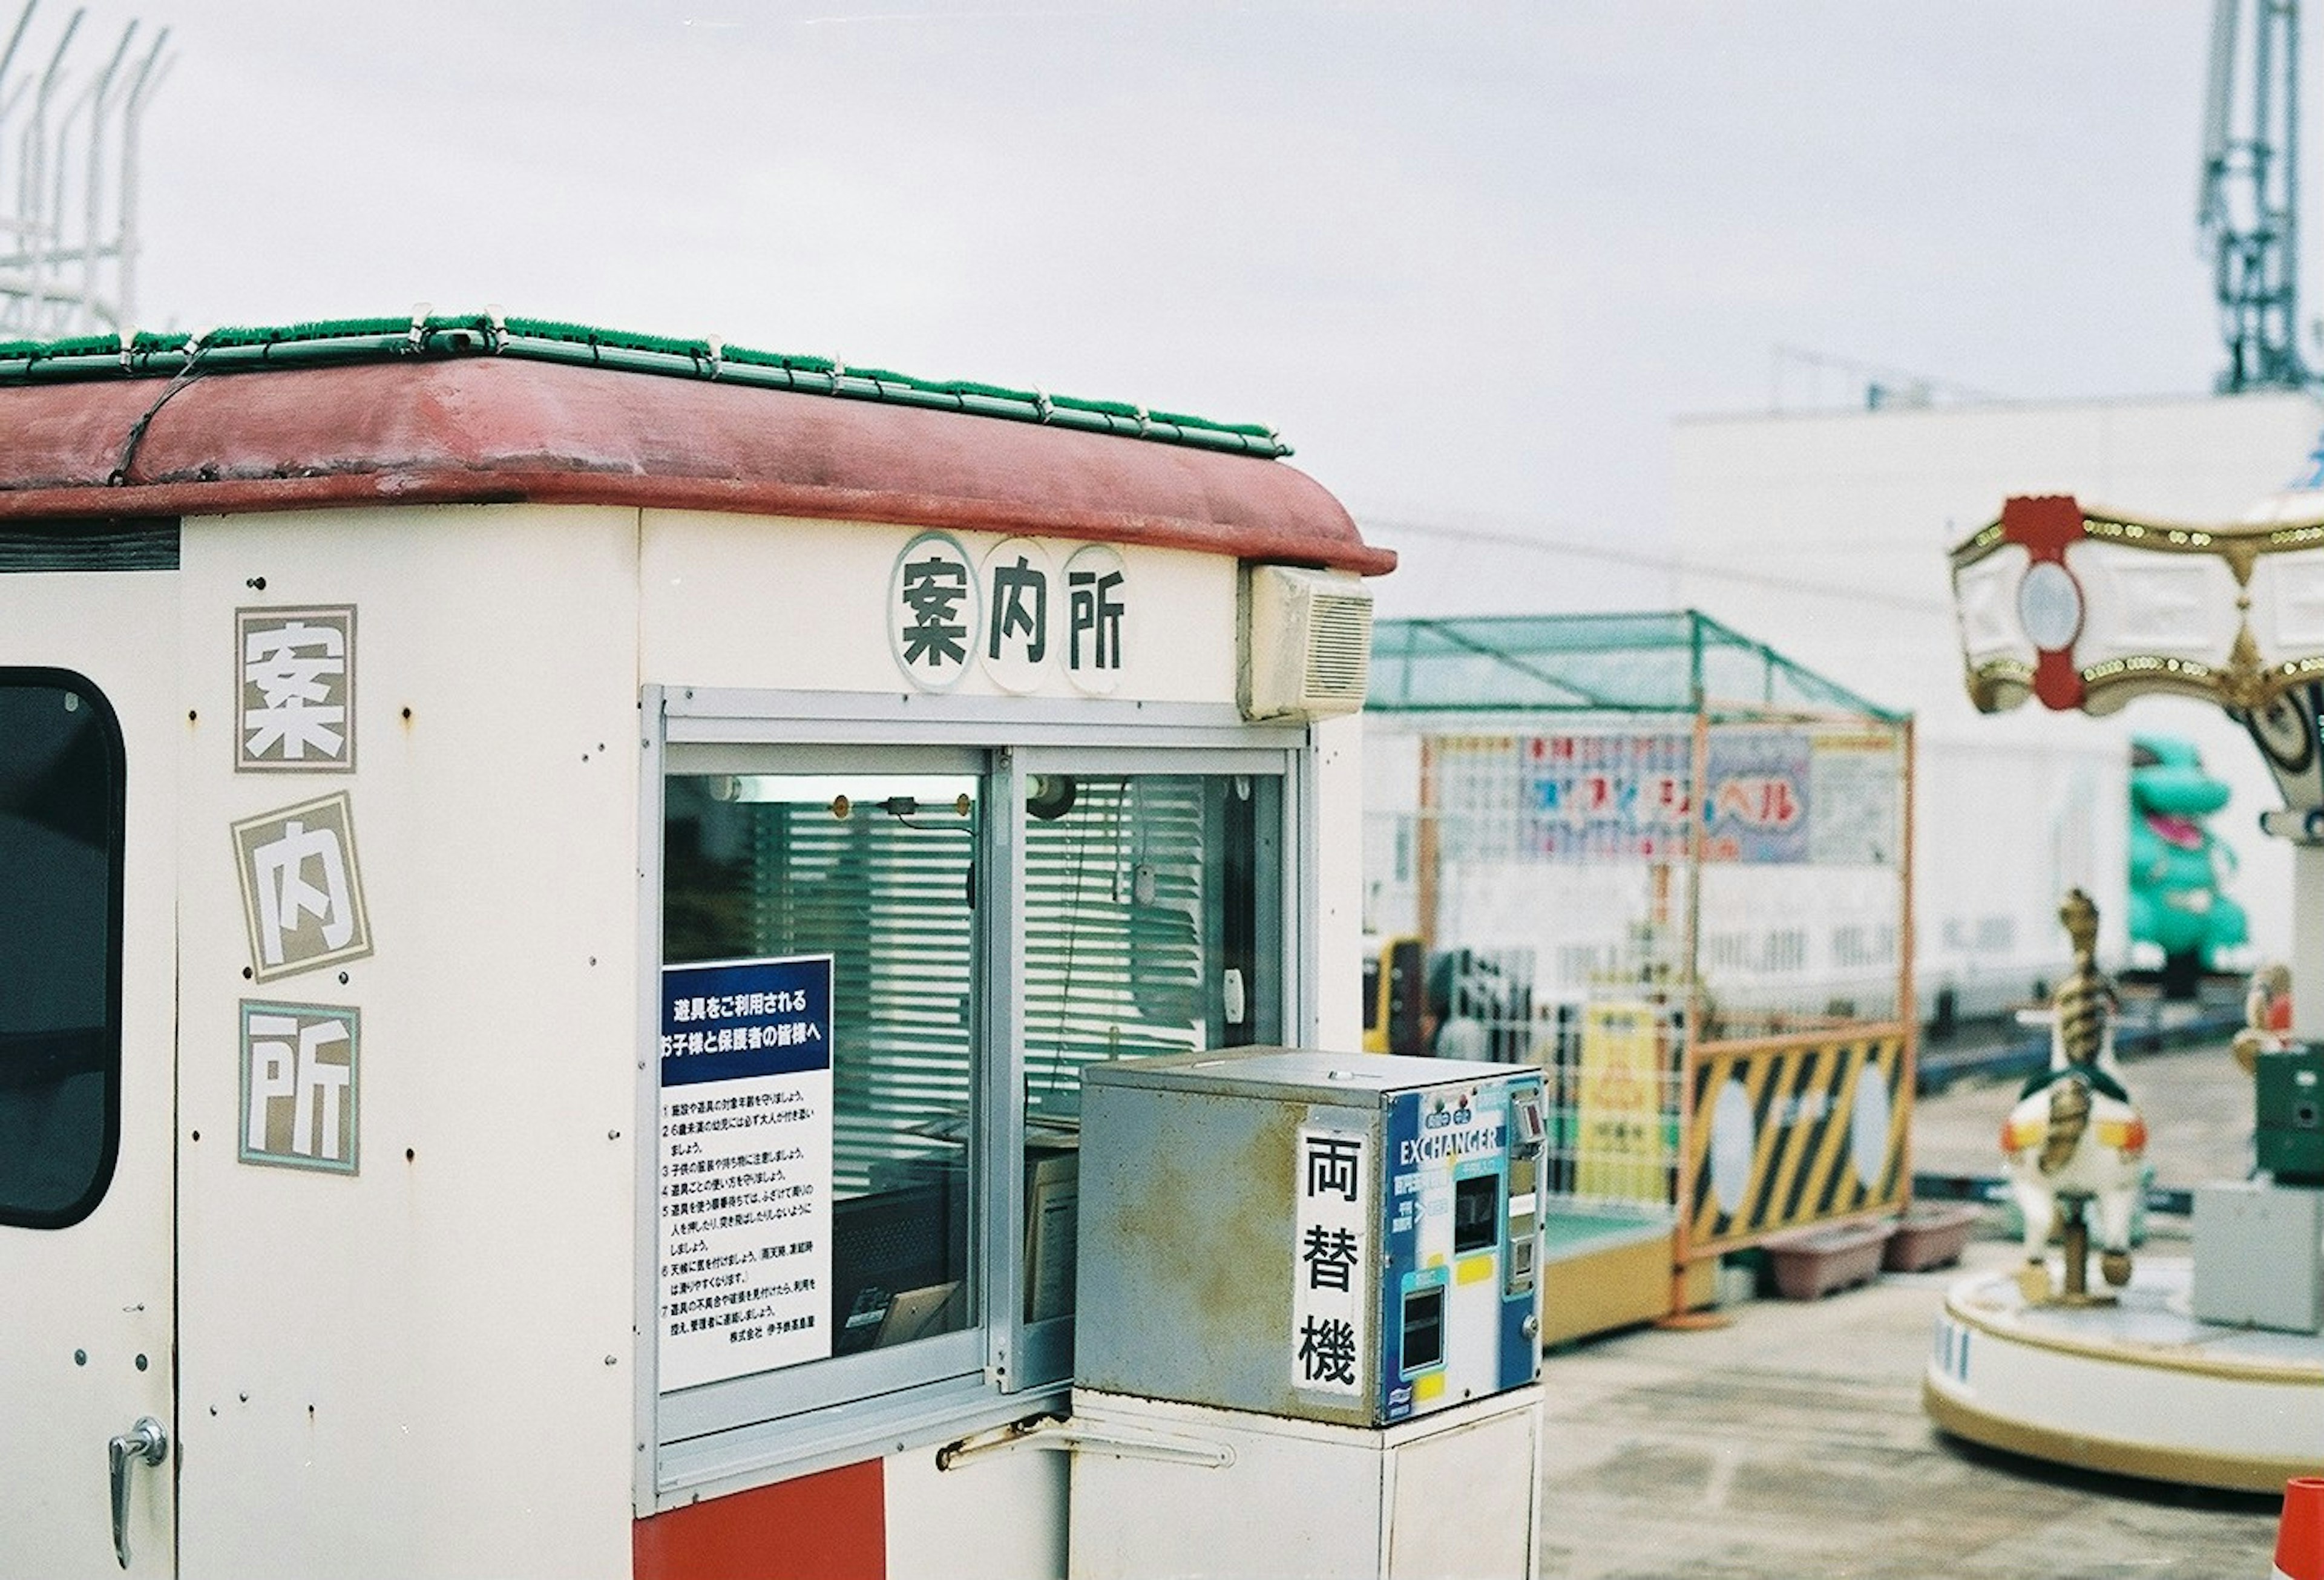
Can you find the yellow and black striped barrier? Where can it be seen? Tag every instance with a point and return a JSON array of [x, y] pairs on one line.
[[1784, 1132]]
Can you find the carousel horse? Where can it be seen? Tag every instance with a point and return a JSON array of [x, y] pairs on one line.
[[2075, 1144]]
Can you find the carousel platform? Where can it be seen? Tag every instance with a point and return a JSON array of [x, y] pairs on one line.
[[2135, 1387]]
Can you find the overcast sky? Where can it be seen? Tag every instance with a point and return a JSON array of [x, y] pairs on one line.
[[1470, 260]]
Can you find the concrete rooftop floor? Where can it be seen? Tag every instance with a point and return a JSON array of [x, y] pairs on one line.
[[1791, 1442]]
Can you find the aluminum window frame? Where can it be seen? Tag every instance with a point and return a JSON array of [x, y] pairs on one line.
[[749, 1431], [1045, 1349]]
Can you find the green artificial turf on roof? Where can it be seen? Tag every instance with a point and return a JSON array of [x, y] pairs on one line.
[[242, 348]]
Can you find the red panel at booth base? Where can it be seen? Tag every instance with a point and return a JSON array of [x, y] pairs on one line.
[[832, 1525]]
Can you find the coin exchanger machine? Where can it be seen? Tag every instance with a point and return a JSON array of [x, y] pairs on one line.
[[1307, 1339]]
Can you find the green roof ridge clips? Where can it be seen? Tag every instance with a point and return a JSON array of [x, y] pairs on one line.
[[422, 333]]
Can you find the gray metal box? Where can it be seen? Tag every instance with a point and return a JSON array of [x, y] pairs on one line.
[[2259, 1256], [1345, 1238]]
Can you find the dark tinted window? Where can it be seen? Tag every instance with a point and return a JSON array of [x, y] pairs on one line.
[[1424, 1329], [61, 833], [1475, 1213]]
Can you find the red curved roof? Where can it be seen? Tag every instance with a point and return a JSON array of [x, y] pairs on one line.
[[497, 430]]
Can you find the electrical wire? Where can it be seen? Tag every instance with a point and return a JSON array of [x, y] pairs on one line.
[[1573, 549]]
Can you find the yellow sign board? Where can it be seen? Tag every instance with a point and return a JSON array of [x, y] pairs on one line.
[[1620, 1150]]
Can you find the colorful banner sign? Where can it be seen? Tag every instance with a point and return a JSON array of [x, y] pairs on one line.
[[1758, 807], [1631, 797], [1607, 797]]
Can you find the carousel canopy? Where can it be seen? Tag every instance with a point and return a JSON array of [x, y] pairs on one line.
[[2085, 609]]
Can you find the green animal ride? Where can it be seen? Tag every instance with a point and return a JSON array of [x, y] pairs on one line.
[[2178, 869]]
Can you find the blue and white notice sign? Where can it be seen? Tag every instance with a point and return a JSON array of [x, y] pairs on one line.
[[745, 1160]]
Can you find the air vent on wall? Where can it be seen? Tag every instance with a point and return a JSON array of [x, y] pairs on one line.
[[112, 544], [1306, 648]]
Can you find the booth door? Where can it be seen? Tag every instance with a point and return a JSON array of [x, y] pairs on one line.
[[87, 990]]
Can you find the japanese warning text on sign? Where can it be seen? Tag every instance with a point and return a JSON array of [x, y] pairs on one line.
[[1855, 782], [1332, 1222], [745, 1167]]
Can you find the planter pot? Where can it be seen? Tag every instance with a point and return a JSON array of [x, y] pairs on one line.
[[1811, 1264], [1929, 1235]]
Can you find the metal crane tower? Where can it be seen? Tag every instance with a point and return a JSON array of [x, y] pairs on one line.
[[2249, 202], [69, 148]]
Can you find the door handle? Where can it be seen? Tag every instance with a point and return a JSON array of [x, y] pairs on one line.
[[146, 1441]]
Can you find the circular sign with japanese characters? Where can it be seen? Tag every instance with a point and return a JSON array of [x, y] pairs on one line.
[[933, 612], [1097, 618], [1022, 605]]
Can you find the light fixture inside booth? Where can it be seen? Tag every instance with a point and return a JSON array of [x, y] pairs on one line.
[[899, 795], [1050, 797]]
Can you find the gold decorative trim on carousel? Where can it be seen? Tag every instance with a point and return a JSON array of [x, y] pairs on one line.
[[2077, 616], [1999, 684], [2241, 544]]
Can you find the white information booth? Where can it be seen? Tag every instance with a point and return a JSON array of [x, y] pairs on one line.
[[560, 889]]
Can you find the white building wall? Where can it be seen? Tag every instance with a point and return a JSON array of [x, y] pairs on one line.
[[818, 591], [1825, 535], [426, 1367], [1338, 883], [1000, 1518]]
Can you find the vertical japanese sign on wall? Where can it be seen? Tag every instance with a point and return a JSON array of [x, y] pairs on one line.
[[1017, 617], [302, 898], [744, 1169], [301, 1065], [301, 890], [295, 675], [1332, 1222]]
